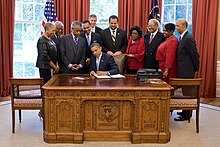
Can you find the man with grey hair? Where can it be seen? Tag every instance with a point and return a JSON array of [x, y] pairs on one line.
[[73, 48], [57, 39], [152, 40], [93, 20]]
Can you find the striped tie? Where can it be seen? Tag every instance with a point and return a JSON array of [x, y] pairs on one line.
[[113, 36], [151, 38]]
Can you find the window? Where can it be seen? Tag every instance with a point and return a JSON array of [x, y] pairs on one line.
[[176, 9], [28, 17], [101, 9]]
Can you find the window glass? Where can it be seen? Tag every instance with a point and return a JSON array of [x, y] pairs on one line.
[[101, 9], [27, 28], [173, 10]]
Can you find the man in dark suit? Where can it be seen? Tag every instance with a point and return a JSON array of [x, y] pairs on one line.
[[102, 63], [152, 40], [57, 39], [73, 48], [187, 61], [93, 20], [114, 39], [90, 38]]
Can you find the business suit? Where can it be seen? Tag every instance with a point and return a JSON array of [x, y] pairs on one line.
[[188, 64], [72, 53], [151, 49], [95, 38], [98, 30], [120, 41], [107, 63], [187, 57], [57, 40]]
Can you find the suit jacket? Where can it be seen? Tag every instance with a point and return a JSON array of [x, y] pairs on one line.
[[120, 42], [95, 38], [98, 30], [151, 49], [57, 40], [72, 53], [166, 56], [137, 49], [107, 63], [187, 57], [47, 52]]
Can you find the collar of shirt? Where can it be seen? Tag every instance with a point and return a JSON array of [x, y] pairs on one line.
[[183, 34], [93, 29], [99, 58], [154, 33], [113, 30], [89, 34], [74, 36]]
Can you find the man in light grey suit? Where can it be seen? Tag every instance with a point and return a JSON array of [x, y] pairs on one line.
[[73, 49]]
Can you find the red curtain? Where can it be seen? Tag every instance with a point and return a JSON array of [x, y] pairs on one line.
[[70, 10], [204, 23], [134, 12], [7, 8]]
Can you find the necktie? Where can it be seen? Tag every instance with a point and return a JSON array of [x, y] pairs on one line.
[[76, 40], [151, 38], [88, 40], [113, 36], [180, 38]]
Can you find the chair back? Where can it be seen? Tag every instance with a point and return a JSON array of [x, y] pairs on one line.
[[186, 95], [26, 94]]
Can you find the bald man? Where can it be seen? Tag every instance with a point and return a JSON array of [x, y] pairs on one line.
[[187, 61]]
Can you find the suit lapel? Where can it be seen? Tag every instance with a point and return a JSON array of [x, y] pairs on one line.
[[101, 61], [72, 44]]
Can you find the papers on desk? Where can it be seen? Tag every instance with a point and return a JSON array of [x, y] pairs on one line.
[[109, 77]]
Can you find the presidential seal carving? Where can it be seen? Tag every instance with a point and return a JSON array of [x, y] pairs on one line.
[[108, 111]]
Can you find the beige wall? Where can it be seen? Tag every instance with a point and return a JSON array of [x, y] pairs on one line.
[[218, 49]]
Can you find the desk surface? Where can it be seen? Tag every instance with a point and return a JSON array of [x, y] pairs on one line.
[[67, 81]]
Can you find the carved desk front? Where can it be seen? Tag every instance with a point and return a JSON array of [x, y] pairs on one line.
[[105, 110]]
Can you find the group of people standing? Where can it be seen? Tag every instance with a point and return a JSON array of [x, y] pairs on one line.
[[89, 49]]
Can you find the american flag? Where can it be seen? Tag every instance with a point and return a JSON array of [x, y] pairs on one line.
[[154, 13], [49, 13]]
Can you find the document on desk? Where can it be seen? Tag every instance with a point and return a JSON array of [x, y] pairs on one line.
[[109, 77]]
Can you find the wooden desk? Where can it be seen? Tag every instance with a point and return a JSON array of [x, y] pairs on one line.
[[105, 110]]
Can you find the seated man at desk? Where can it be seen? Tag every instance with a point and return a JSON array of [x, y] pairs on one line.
[[102, 63]]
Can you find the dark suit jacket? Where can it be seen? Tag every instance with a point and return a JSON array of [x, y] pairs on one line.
[[95, 38], [57, 40], [151, 49], [47, 52], [107, 63], [98, 30], [72, 53], [120, 42], [187, 57]]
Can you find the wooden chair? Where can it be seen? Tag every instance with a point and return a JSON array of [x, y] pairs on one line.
[[190, 101], [29, 99]]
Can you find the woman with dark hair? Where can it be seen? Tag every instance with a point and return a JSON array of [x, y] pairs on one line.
[[135, 50], [166, 53]]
